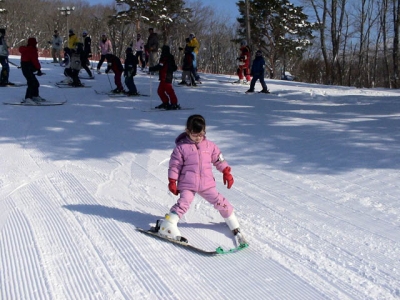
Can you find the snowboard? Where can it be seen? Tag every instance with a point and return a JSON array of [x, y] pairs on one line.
[[45, 103]]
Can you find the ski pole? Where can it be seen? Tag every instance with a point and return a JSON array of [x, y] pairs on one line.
[[109, 81], [151, 98]]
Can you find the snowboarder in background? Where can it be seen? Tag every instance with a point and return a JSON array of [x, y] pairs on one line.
[[244, 63], [5, 67], [130, 70], [56, 45], [258, 73], [72, 40], [167, 67], [190, 172], [29, 65], [114, 64], [105, 48]]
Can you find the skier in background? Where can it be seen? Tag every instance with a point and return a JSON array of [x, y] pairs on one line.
[[114, 64], [105, 48], [152, 46], [191, 166], [5, 67], [167, 67], [193, 42], [258, 73], [130, 70], [87, 49], [139, 47], [56, 45], [29, 65]]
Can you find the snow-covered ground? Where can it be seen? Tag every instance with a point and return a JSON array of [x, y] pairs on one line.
[[316, 190]]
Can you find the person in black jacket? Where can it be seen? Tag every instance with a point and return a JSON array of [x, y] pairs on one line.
[[167, 67], [84, 56], [130, 70], [257, 71], [87, 47]]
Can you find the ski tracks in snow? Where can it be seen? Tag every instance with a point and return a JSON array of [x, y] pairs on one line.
[[344, 268]]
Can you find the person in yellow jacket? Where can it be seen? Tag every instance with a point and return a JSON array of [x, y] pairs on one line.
[[193, 42], [73, 40]]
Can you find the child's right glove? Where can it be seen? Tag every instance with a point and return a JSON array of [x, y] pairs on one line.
[[172, 186], [227, 177]]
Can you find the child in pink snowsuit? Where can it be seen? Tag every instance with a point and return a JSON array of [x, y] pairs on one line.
[[191, 166]]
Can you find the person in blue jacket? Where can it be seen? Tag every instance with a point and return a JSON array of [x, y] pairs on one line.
[[257, 71]]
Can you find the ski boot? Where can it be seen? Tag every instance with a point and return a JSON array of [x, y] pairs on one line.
[[233, 225], [174, 107], [168, 227], [163, 106]]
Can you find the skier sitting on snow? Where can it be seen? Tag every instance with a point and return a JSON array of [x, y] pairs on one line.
[[257, 71], [191, 166]]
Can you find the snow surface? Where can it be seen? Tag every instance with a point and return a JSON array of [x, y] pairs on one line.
[[316, 191]]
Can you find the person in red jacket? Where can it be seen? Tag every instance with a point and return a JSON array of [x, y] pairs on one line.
[[114, 64], [29, 65], [244, 63], [167, 67]]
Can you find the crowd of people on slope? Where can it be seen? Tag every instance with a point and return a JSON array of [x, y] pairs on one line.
[[77, 56]]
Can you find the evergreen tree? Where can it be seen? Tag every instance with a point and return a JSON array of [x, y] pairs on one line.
[[165, 15], [278, 28]]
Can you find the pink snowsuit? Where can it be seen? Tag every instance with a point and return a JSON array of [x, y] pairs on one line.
[[191, 165]]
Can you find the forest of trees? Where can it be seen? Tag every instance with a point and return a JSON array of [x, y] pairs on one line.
[[341, 42]]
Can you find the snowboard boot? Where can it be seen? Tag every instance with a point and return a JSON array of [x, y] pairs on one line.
[[168, 227], [233, 225], [265, 91]]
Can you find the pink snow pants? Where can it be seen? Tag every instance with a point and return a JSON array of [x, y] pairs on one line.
[[211, 195]]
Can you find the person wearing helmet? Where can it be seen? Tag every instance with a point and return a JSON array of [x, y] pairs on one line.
[[29, 65], [258, 71], [130, 70]]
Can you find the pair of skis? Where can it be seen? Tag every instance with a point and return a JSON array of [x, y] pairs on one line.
[[153, 232]]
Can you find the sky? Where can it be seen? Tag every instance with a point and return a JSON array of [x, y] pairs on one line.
[[316, 192]]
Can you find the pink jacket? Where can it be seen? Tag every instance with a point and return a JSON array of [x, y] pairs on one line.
[[105, 47], [191, 163]]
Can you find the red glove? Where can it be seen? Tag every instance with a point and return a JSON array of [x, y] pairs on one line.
[[228, 178], [172, 186]]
